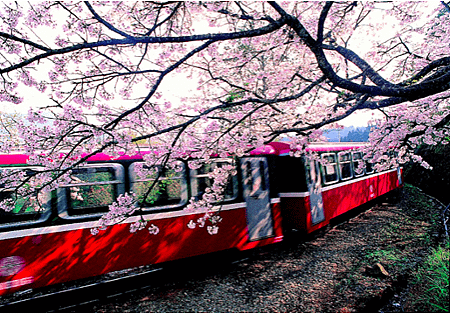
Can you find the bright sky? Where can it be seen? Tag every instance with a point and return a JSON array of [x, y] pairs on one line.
[[173, 89]]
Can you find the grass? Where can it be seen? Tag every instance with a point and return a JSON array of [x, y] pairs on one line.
[[422, 205], [433, 278], [406, 247], [391, 255]]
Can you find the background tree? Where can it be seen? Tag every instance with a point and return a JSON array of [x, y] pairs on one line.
[[8, 129], [264, 70]]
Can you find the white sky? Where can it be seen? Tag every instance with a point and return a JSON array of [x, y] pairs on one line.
[[173, 89]]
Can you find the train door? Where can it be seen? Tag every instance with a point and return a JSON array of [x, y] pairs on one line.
[[255, 177], [314, 182], [399, 175]]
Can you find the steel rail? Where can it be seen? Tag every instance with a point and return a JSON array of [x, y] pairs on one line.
[[77, 296], [81, 298]]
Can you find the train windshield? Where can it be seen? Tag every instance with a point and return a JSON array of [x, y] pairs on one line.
[[289, 176]]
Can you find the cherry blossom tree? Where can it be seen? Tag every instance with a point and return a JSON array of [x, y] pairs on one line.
[[264, 70]]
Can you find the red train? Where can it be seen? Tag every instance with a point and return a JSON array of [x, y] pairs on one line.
[[271, 193]]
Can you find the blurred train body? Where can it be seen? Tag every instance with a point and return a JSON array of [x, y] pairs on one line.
[[271, 194]]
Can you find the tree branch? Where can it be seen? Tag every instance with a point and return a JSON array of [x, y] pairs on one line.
[[415, 91], [361, 64], [143, 40], [106, 23], [23, 41]]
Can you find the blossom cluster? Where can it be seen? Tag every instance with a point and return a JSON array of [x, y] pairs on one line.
[[405, 129], [120, 210], [210, 199], [258, 77]]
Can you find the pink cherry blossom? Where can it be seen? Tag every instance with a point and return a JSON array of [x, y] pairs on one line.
[[262, 71]]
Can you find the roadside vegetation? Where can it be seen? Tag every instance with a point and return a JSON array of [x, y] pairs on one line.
[[433, 279], [429, 282], [404, 268]]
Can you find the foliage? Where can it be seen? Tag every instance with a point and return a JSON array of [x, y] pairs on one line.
[[8, 129], [166, 191], [263, 70], [358, 135], [92, 195], [433, 277], [435, 182]]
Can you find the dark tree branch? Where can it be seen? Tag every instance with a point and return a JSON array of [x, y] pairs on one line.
[[144, 40], [445, 61], [174, 10], [361, 64], [106, 23], [412, 92], [23, 41], [113, 123], [279, 100], [441, 124]]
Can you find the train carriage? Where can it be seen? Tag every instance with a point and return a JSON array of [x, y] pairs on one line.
[[271, 192], [333, 187]]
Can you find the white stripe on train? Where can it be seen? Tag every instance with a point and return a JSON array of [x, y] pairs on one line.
[[93, 224]]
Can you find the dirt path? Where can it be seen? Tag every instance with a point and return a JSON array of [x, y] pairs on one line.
[[333, 272]]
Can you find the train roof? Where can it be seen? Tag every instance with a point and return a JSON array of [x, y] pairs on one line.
[[283, 148], [13, 159], [21, 159], [273, 148]]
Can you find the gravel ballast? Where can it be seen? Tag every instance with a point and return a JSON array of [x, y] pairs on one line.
[[357, 265]]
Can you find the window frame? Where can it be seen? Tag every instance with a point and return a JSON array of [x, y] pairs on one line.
[[62, 191], [183, 182], [324, 168], [213, 161], [39, 216]]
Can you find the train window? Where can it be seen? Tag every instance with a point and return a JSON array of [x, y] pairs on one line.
[[200, 180], [369, 167], [345, 165], [249, 174], [168, 186], [288, 175], [312, 170], [358, 164], [91, 190], [263, 177], [330, 169], [393, 155], [26, 210]]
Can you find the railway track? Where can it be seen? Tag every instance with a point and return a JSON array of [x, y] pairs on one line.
[[81, 298], [76, 297]]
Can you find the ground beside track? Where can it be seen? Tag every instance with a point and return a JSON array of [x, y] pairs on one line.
[[336, 271]]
